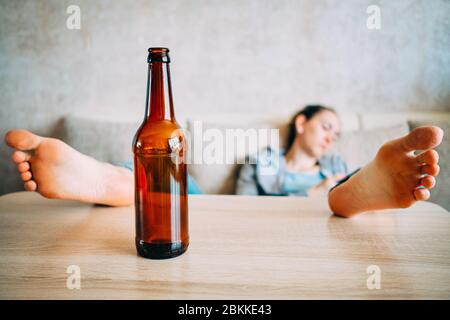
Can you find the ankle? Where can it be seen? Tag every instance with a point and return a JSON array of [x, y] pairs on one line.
[[115, 186]]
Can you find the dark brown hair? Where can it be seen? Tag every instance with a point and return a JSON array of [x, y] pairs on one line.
[[309, 111]]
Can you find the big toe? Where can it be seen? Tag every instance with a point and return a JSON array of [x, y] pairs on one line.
[[422, 138], [22, 139]]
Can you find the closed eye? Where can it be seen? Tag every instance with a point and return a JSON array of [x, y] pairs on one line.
[[328, 127]]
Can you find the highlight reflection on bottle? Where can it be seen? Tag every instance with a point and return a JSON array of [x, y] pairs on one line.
[[160, 171]]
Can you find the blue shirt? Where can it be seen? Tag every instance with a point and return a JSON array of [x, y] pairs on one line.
[[298, 184], [193, 188]]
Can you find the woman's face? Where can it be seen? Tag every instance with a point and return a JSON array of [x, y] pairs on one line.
[[318, 133]]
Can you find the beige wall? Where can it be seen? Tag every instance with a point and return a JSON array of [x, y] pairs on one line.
[[227, 56]]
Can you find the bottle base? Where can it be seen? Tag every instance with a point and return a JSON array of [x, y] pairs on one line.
[[160, 250]]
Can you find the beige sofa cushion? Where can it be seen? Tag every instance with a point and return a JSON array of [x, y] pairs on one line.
[[357, 148], [379, 120], [104, 139]]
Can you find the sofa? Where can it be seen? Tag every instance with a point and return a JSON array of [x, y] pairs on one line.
[[361, 135]]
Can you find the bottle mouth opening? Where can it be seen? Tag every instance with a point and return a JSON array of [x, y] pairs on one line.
[[158, 54], [158, 50]]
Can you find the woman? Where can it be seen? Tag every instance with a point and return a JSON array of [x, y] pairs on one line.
[[304, 168]]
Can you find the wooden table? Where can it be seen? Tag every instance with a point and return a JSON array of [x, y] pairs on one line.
[[242, 247]]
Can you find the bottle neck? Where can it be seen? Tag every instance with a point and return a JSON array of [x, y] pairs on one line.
[[159, 103]]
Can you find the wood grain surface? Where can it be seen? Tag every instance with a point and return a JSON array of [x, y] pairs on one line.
[[241, 247]]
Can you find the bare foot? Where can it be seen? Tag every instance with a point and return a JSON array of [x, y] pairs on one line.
[[56, 170], [396, 178]]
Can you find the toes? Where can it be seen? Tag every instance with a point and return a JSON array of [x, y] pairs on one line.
[[428, 157], [30, 185], [431, 169], [22, 139], [23, 166], [25, 176], [421, 138], [20, 156], [428, 182], [422, 194]]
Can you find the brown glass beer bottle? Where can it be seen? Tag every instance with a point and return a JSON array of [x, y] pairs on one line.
[[160, 172]]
